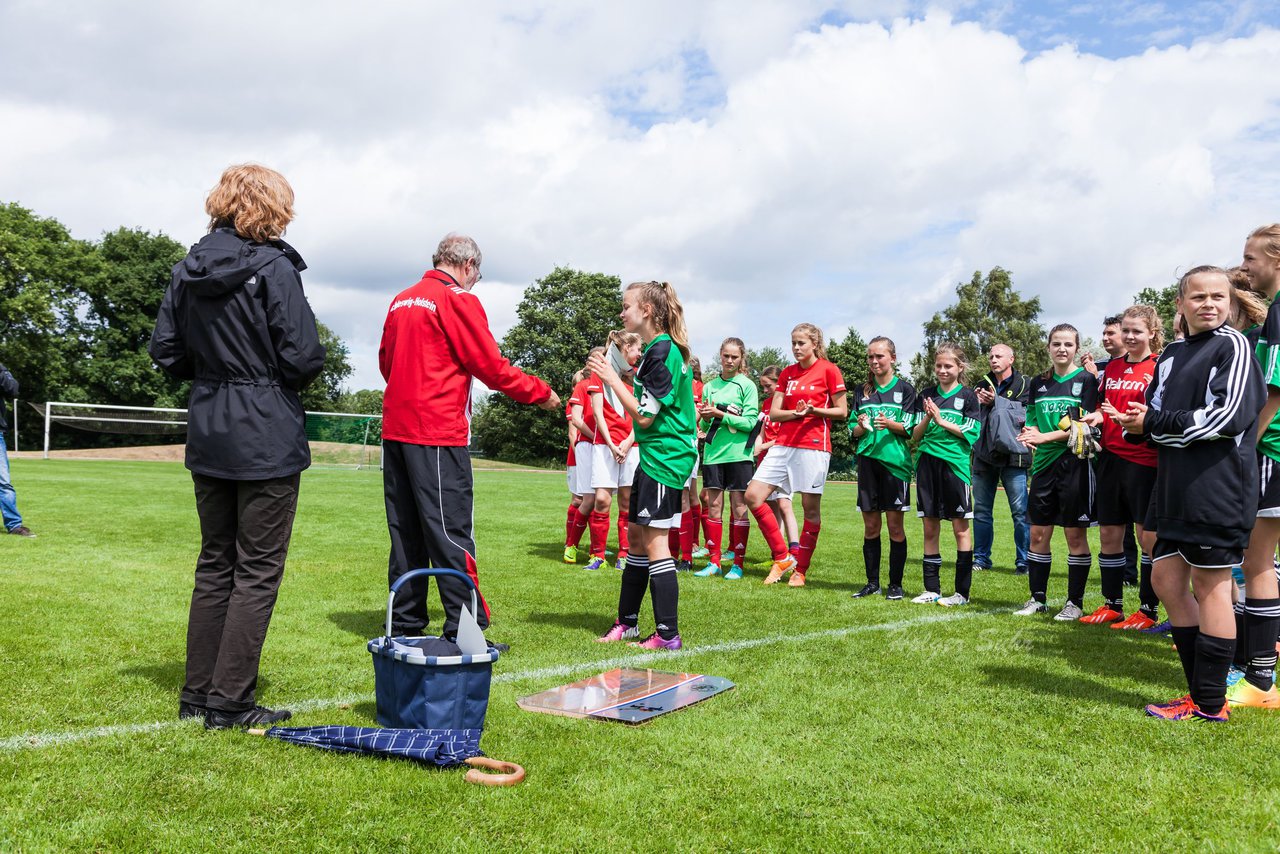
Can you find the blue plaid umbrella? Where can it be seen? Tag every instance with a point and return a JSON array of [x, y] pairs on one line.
[[446, 748], [443, 747]]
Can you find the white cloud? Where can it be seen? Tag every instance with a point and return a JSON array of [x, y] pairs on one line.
[[848, 175]]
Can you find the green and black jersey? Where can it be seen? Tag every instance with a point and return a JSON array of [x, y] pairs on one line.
[[1268, 352], [897, 402], [664, 390], [959, 406], [1053, 397], [730, 439]]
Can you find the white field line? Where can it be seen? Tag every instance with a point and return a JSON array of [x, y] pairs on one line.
[[41, 740]]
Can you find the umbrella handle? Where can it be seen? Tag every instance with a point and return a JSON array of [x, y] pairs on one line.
[[511, 772]]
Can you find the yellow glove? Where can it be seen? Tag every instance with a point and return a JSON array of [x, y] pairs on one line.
[[1081, 441]]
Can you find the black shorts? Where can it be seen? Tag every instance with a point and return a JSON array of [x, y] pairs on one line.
[[940, 494], [653, 504], [1123, 490], [1201, 557], [1268, 486], [879, 490], [1062, 494], [732, 477]]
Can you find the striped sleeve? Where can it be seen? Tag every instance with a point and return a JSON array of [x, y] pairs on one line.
[[1233, 397]]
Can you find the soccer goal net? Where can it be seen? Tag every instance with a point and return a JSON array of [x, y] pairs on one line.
[[347, 439]]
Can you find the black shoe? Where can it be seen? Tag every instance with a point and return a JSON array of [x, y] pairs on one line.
[[894, 591], [257, 716], [981, 567], [684, 566], [191, 710], [868, 589], [22, 531], [1020, 570]]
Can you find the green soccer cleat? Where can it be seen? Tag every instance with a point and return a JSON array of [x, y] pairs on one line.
[[711, 570], [570, 554], [734, 574]]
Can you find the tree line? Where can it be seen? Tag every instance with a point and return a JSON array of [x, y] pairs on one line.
[[76, 317]]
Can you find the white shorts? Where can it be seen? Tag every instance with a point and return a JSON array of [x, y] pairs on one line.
[[608, 473], [794, 469], [580, 483], [693, 475]]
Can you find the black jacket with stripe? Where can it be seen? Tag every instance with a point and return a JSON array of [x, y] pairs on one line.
[[1203, 407]]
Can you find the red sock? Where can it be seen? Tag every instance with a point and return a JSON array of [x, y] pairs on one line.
[[673, 538], [688, 532], [738, 533], [579, 525], [568, 525], [623, 542], [599, 525], [772, 533], [808, 542], [715, 531], [704, 521]]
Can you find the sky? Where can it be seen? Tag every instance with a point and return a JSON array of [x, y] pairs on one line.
[[842, 163]]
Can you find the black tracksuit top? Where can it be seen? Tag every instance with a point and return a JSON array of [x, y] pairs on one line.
[[235, 321], [1204, 402]]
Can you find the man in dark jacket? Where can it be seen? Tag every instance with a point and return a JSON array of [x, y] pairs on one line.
[[1008, 390], [236, 323], [8, 496]]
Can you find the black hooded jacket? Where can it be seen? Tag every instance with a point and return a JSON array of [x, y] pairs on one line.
[[235, 321]]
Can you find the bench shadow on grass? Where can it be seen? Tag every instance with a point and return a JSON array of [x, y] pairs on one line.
[[170, 675], [1128, 657], [362, 624]]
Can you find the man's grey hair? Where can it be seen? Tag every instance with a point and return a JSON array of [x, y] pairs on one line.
[[1012, 355], [455, 250]]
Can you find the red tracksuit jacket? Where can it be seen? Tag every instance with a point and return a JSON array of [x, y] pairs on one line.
[[435, 339]]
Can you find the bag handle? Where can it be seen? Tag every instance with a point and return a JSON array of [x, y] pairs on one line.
[[439, 573]]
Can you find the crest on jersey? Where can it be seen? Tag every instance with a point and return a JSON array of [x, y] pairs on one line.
[[958, 404], [897, 397], [1076, 388]]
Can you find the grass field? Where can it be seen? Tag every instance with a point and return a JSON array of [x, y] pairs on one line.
[[855, 724]]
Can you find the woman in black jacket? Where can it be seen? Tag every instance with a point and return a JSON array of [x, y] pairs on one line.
[[235, 322], [1202, 407]]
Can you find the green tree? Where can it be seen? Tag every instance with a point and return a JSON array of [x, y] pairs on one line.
[[561, 317], [122, 303], [988, 310], [365, 401], [42, 271], [850, 356], [323, 394], [1164, 301]]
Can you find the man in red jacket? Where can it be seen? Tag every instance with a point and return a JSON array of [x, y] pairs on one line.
[[436, 339]]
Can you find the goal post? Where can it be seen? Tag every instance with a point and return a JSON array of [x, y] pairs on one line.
[[345, 439]]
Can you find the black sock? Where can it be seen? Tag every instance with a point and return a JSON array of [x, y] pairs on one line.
[[665, 591], [1184, 638], [1131, 553], [1147, 593], [1078, 576], [1241, 659], [964, 572], [1262, 621], [1038, 566], [897, 561], [1111, 570], [1213, 658], [635, 580], [871, 557], [932, 565]]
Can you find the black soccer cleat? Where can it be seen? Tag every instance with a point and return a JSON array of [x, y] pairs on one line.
[[894, 592], [869, 589], [187, 711], [684, 566], [257, 716]]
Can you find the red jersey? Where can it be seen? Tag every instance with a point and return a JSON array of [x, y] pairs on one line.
[[819, 384], [697, 392], [769, 430], [435, 339], [1124, 382], [619, 425], [579, 397]]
